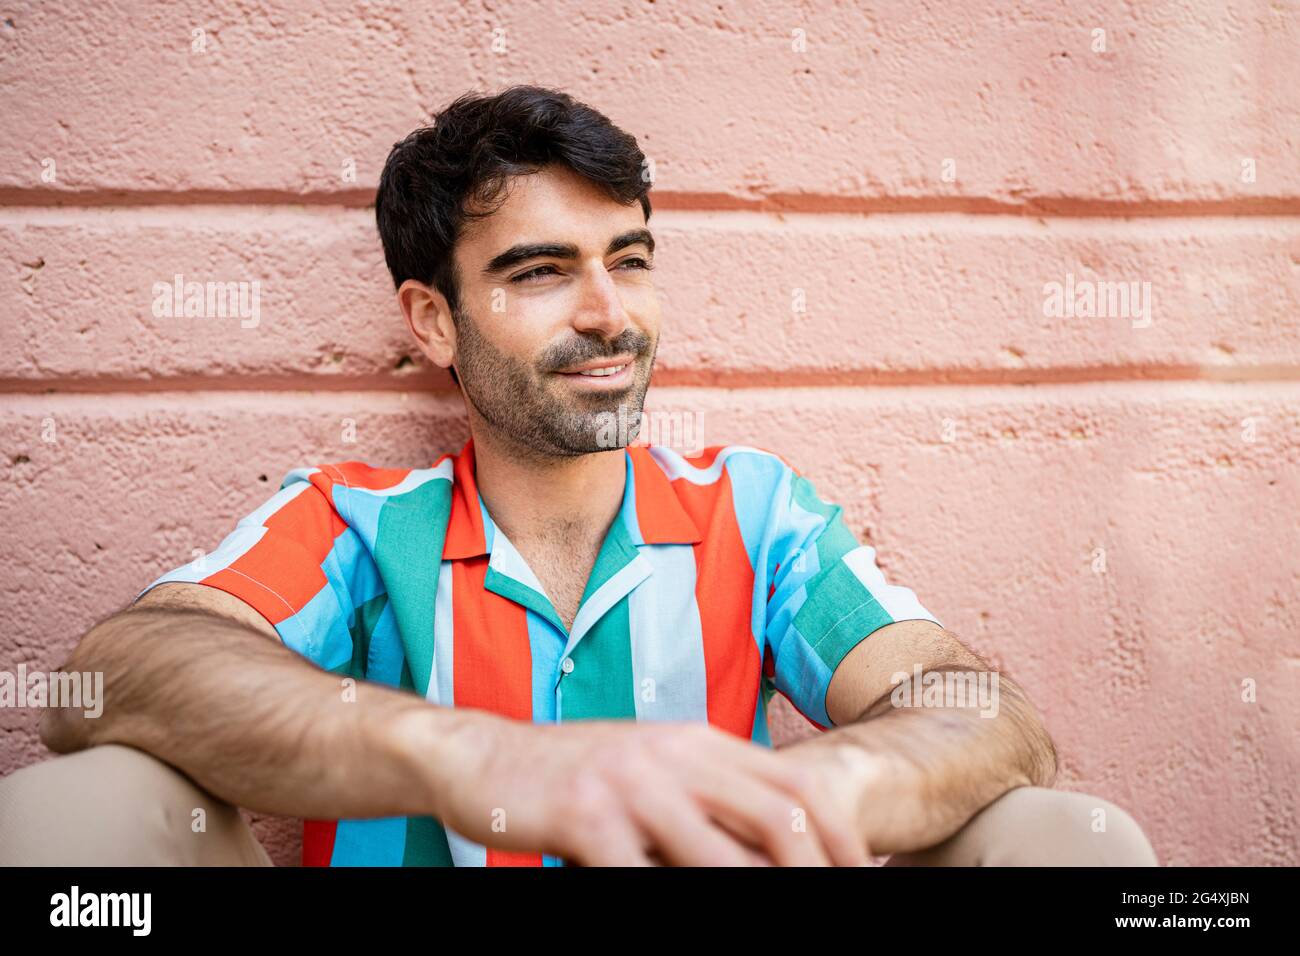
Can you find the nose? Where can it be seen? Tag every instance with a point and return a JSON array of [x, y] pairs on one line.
[[601, 306]]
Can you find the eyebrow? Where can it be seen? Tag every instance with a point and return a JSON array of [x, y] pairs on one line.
[[561, 250]]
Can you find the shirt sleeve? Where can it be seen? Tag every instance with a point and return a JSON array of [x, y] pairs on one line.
[[827, 595], [290, 560]]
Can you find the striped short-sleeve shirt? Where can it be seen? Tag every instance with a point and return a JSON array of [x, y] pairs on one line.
[[724, 579]]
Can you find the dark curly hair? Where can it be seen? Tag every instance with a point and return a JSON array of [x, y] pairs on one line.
[[470, 152]]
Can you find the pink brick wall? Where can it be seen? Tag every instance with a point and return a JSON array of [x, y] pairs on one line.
[[1105, 507]]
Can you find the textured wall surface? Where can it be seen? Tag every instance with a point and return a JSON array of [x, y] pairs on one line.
[[860, 213]]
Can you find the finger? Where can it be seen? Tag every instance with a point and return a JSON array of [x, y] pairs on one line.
[[611, 840], [754, 797], [837, 830], [681, 832], [834, 824], [759, 813], [759, 858], [774, 826]]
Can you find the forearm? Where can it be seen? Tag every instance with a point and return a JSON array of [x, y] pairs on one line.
[[255, 724], [933, 768]]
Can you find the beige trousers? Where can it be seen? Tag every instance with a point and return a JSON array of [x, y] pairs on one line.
[[117, 806]]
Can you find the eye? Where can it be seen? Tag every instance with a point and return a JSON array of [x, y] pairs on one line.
[[530, 274], [644, 264]]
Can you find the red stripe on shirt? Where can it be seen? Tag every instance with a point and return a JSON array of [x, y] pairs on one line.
[[318, 841], [493, 662], [724, 587], [281, 581], [358, 475]]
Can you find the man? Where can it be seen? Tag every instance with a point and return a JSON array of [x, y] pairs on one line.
[[553, 646]]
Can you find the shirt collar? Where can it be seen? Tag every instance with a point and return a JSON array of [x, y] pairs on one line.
[[651, 509]]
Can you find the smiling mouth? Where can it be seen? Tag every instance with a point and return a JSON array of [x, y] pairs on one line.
[[599, 372], [601, 376]]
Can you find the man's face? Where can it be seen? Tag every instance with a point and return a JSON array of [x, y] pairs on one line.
[[580, 299]]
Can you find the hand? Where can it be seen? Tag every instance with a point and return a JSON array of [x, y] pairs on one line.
[[876, 790], [632, 794]]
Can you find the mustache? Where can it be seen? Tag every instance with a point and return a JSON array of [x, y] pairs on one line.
[[583, 350]]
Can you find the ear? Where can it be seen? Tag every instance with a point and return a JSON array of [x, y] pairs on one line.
[[428, 316]]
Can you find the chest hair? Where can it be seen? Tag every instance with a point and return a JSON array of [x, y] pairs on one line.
[[563, 563]]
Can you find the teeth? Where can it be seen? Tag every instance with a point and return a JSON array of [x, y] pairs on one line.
[[602, 372]]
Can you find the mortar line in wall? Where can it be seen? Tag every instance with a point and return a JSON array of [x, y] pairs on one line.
[[1260, 375], [810, 203]]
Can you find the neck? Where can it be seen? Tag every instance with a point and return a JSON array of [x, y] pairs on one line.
[[531, 497]]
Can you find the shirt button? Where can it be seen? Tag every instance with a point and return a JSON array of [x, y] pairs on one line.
[[566, 665]]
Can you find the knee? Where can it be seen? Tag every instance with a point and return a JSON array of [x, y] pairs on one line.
[[1038, 826], [107, 805]]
